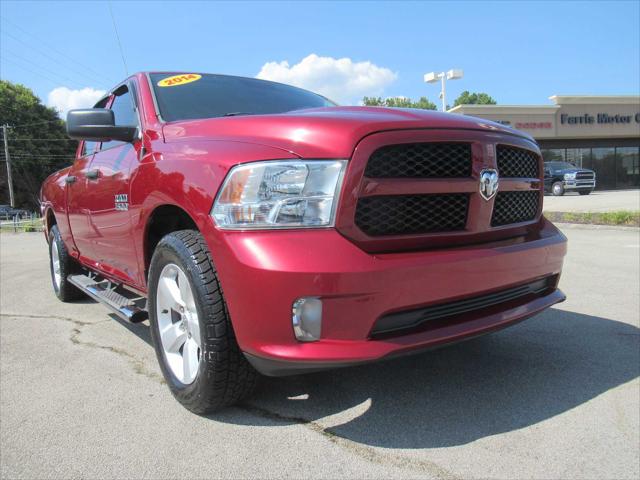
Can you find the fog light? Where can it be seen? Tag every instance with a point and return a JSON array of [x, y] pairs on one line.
[[307, 318]]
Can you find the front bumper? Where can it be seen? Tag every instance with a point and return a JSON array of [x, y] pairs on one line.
[[263, 273], [579, 184]]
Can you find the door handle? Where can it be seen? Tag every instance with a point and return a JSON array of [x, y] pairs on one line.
[[93, 174], [70, 179]]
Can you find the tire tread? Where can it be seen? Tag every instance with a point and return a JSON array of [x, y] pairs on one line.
[[230, 377]]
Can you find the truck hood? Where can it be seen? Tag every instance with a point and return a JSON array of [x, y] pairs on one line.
[[331, 132]]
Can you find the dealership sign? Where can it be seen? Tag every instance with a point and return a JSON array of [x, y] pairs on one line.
[[602, 118]]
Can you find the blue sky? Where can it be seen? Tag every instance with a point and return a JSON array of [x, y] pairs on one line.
[[518, 52]]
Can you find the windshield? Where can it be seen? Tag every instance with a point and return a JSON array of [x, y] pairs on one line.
[[184, 96], [558, 165]]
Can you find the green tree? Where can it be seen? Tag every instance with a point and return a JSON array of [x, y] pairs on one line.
[[467, 98], [400, 102], [38, 144]]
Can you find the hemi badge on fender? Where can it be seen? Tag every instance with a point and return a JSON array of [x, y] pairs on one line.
[[122, 201]]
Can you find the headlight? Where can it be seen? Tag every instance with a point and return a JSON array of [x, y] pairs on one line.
[[570, 176], [280, 194]]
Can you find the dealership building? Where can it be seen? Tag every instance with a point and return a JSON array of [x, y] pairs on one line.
[[601, 133]]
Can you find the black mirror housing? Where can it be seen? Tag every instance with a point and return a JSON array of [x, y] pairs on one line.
[[98, 125]]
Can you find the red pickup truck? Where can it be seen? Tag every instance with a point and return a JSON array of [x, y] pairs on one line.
[[261, 228]]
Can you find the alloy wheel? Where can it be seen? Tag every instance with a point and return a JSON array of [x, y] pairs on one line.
[[178, 324]]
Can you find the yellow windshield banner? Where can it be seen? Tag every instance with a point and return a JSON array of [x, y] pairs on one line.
[[176, 80]]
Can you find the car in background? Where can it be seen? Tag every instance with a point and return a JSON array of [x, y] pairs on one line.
[[7, 212], [562, 176]]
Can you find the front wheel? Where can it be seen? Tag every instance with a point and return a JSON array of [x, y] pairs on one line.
[[584, 192], [557, 189], [191, 329]]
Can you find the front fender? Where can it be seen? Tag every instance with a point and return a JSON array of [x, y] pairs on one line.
[[186, 175]]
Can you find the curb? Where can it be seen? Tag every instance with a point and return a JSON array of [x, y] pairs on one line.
[[595, 226]]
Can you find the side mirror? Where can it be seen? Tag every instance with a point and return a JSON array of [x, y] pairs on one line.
[[98, 125]]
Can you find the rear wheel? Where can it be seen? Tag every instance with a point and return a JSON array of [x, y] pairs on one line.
[[584, 192], [557, 189], [191, 329], [62, 265]]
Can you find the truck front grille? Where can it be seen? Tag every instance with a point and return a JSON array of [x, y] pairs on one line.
[[421, 160], [585, 176], [515, 207], [517, 162], [412, 214], [409, 190]]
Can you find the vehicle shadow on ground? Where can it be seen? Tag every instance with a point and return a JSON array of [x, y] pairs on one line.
[[453, 396]]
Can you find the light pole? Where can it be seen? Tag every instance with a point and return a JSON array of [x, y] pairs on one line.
[[433, 77]]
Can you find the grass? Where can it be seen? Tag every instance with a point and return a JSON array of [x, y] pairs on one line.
[[27, 225], [620, 217]]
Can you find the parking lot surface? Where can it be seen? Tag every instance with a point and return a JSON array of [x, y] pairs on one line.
[[598, 201], [557, 396]]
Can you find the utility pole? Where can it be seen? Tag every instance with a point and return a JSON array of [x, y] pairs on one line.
[[8, 160]]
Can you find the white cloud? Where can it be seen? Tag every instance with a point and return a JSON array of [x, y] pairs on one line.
[[64, 99], [340, 79]]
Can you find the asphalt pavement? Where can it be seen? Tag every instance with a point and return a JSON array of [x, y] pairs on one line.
[[557, 396]]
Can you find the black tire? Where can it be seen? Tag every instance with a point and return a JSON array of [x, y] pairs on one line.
[[65, 291], [584, 192], [557, 189], [224, 375]]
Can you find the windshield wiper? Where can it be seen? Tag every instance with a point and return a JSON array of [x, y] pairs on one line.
[[233, 114]]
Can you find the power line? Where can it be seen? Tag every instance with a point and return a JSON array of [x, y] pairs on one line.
[[94, 75], [26, 139], [45, 55], [28, 182], [35, 123], [57, 82], [49, 72], [115, 29], [38, 155]]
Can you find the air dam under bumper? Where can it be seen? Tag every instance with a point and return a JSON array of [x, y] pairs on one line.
[[263, 273]]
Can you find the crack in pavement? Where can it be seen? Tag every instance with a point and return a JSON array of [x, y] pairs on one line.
[[367, 453], [138, 365], [47, 317], [364, 452]]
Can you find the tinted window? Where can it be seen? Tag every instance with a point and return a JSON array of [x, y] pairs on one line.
[[559, 165], [88, 148], [580, 157], [628, 167], [124, 114], [218, 95], [553, 154], [604, 163]]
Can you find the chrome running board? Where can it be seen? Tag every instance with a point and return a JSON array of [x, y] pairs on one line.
[[117, 299]]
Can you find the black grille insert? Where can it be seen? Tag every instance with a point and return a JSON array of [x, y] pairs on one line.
[[412, 214], [585, 176], [409, 320], [515, 207], [517, 163], [420, 160]]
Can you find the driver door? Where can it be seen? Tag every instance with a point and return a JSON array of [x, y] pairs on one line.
[[111, 237]]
